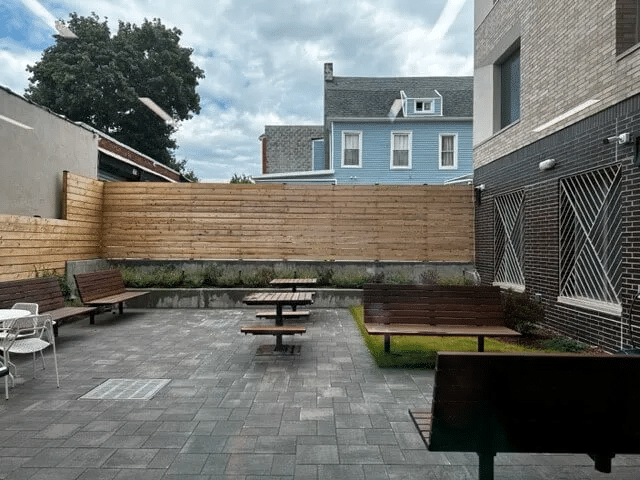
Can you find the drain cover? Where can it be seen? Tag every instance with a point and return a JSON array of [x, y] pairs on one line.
[[126, 389]]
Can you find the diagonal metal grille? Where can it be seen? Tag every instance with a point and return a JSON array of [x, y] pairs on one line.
[[509, 238], [591, 236]]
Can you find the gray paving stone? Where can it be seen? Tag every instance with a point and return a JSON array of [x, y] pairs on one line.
[[326, 413]]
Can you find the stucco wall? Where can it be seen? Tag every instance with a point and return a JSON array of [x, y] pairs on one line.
[[32, 161]]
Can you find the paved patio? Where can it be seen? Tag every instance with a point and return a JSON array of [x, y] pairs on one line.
[[327, 412]]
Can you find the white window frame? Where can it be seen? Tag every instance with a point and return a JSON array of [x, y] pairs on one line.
[[455, 151], [401, 167], [351, 132], [432, 105]]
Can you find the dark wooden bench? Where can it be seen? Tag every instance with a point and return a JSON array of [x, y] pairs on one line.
[[285, 313], [45, 291], [104, 288], [273, 329], [453, 311], [533, 403]]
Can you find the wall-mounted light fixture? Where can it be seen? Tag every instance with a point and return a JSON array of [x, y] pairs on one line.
[[547, 164], [479, 189]]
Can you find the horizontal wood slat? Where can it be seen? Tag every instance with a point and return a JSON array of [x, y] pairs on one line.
[[220, 221]]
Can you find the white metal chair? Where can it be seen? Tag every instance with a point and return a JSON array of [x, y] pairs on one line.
[[31, 307], [8, 335], [32, 334]]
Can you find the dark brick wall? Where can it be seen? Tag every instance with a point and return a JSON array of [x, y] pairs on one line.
[[577, 149]]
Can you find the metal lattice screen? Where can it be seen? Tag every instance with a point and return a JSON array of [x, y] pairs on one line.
[[509, 239], [590, 236]]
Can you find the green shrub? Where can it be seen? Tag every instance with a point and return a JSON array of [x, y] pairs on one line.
[[455, 281], [564, 344], [429, 277], [522, 313], [350, 279]]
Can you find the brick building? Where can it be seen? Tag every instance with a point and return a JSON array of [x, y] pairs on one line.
[[556, 128]]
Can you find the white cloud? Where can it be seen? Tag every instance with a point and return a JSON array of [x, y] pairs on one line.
[[263, 61]]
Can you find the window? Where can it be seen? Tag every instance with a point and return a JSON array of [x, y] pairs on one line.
[[510, 89], [591, 240], [627, 24], [351, 149], [508, 240], [424, 106], [401, 150], [448, 151]]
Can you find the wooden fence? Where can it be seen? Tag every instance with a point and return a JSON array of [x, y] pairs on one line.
[[222, 221], [32, 246]]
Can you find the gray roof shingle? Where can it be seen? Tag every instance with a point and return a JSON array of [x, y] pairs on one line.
[[372, 97]]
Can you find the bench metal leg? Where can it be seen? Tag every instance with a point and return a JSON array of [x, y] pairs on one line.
[[121, 307], [92, 318], [387, 343], [279, 323], [485, 466], [480, 343]]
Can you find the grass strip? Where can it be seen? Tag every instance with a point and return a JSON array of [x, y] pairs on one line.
[[421, 352]]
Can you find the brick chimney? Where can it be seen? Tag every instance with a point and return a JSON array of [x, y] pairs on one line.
[[328, 72]]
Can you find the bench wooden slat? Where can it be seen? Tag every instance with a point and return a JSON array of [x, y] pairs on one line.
[[46, 292], [533, 403], [274, 329], [285, 314], [434, 311], [440, 330], [104, 287]]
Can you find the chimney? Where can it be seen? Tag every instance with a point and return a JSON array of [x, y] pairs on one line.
[[328, 72]]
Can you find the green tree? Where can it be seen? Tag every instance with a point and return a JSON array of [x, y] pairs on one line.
[[98, 79], [240, 178]]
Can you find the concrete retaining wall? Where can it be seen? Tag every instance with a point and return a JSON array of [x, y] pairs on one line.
[[232, 298]]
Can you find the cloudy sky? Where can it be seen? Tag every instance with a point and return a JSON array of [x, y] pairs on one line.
[[263, 60]]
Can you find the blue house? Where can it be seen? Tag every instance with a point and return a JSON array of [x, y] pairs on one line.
[[413, 130]]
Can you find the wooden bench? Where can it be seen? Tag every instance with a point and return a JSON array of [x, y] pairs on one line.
[[104, 288], [273, 329], [45, 291], [533, 403], [454, 311], [285, 313]]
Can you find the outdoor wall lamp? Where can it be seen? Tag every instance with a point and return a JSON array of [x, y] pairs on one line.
[[547, 164], [479, 189]]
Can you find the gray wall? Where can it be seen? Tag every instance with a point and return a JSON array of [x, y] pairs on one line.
[[289, 147], [32, 161]]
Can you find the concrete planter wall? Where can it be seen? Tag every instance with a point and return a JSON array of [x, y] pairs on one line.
[[232, 298]]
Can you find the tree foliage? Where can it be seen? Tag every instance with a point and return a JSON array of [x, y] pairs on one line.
[[241, 178], [98, 79]]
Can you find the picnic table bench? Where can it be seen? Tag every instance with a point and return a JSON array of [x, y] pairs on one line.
[[277, 299], [104, 288], [533, 403], [445, 311], [45, 291]]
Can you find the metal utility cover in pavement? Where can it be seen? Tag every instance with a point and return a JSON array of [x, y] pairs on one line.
[[126, 389]]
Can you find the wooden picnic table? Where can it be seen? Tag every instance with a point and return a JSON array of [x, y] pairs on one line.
[[293, 283], [277, 299]]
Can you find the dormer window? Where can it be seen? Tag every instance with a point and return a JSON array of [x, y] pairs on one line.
[[424, 106]]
